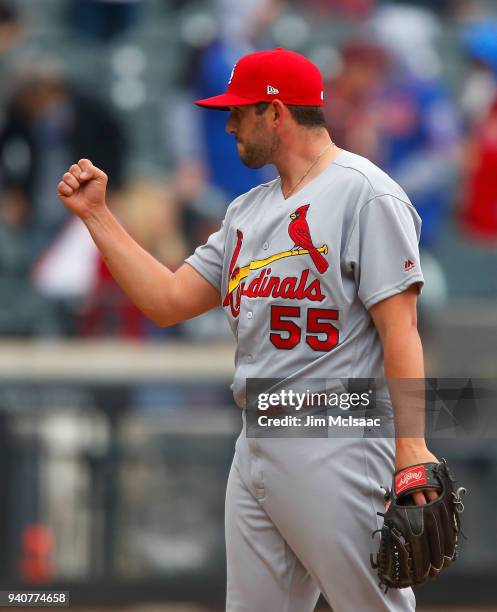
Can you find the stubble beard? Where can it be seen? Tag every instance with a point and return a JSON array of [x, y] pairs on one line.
[[258, 154]]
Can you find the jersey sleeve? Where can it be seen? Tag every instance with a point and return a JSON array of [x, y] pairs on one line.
[[208, 259], [383, 251]]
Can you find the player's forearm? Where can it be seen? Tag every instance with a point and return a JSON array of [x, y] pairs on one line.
[[148, 283], [403, 353], [404, 370]]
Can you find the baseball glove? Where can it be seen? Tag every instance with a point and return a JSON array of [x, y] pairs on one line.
[[418, 542]]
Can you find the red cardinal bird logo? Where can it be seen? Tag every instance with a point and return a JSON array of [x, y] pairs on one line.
[[298, 231]]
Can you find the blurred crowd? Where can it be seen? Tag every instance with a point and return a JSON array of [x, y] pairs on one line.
[[410, 85]]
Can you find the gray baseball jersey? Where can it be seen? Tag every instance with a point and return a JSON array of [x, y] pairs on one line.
[[297, 278]]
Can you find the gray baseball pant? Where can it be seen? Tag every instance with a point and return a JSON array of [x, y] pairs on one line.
[[299, 518]]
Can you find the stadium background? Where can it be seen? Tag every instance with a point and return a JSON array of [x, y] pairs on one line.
[[115, 436]]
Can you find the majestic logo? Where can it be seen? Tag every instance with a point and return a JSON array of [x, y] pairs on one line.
[[412, 477], [272, 91], [231, 75], [267, 285], [408, 265]]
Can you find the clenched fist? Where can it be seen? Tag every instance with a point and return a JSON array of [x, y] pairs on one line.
[[82, 189]]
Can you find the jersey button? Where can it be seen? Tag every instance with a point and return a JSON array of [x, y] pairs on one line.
[[250, 314], [265, 246]]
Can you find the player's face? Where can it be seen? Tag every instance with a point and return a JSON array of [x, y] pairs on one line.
[[256, 144]]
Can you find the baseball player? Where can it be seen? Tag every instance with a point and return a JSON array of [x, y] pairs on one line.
[[318, 273]]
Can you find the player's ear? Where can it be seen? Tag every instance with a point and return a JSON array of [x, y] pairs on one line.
[[277, 112]]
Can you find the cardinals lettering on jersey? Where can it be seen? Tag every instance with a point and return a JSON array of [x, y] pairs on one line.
[[268, 285]]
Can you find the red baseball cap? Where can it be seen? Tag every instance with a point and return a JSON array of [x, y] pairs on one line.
[[267, 75]]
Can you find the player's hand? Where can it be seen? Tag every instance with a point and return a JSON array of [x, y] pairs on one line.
[[411, 454], [82, 189]]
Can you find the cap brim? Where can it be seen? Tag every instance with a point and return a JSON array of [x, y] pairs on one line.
[[224, 101]]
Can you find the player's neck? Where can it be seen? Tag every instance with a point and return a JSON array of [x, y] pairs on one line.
[[300, 162]]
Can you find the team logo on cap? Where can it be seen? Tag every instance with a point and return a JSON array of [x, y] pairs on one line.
[[271, 91], [231, 75]]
